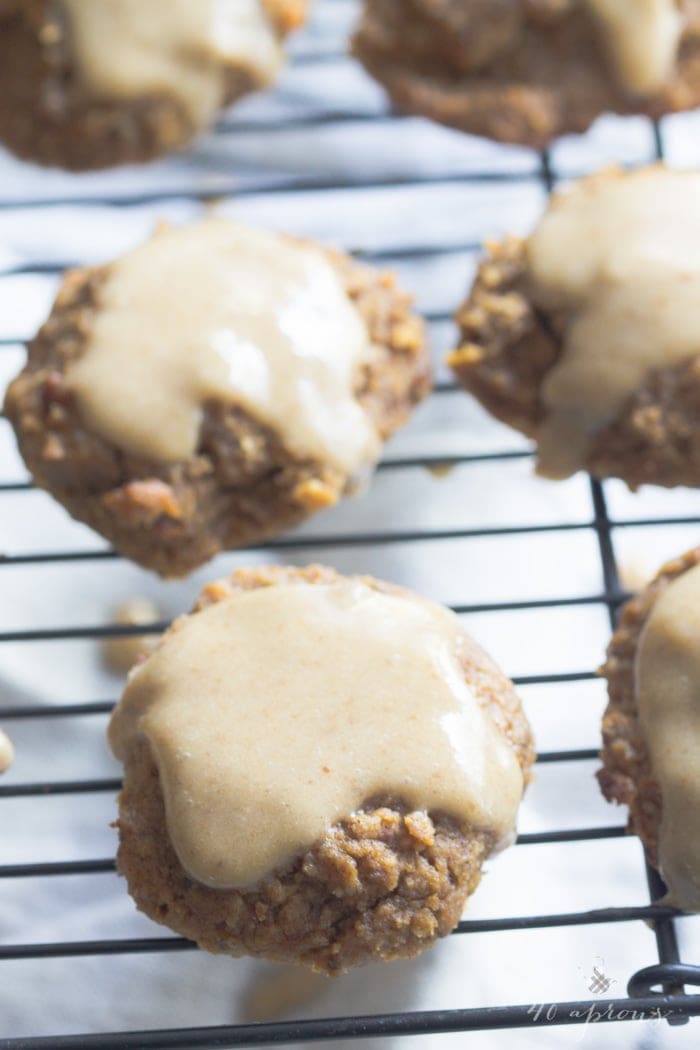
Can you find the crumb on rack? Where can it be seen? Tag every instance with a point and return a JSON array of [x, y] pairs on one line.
[[7, 752], [120, 654], [279, 990], [441, 470]]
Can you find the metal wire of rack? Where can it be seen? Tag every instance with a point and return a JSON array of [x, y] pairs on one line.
[[654, 991]]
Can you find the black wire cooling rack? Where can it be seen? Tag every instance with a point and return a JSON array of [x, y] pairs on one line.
[[653, 992]]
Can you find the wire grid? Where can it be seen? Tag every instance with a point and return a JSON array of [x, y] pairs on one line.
[[670, 974]]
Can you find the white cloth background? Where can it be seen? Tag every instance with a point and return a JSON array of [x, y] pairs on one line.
[[52, 217]]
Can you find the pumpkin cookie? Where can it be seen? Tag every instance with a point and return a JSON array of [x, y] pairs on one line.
[[586, 336], [214, 387], [316, 769], [93, 85], [651, 743], [526, 71]]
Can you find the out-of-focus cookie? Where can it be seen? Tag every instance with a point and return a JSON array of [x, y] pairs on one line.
[[95, 83], [526, 71]]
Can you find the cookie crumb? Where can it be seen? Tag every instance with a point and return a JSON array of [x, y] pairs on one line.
[[441, 470], [7, 752], [315, 494], [120, 654], [277, 991]]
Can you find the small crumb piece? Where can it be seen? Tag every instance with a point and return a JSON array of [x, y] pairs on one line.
[[469, 354], [50, 34], [53, 448], [315, 494], [120, 654], [144, 501], [441, 470], [408, 335], [7, 752], [279, 991], [490, 275], [214, 592], [420, 827]]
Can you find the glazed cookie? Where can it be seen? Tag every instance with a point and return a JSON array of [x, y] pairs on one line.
[[586, 337], [526, 71], [92, 85], [316, 769], [213, 387], [651, 743]]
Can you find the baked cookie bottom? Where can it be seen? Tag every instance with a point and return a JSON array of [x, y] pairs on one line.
[[385, 883]]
